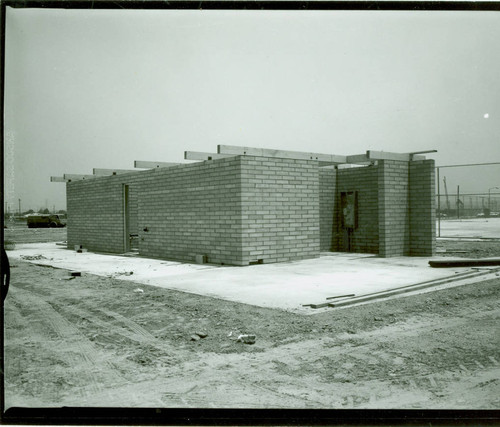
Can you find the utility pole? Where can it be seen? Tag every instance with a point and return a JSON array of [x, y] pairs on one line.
[[489, 195], [446, 193], [19, 206]]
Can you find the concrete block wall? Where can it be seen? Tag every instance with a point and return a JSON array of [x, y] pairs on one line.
[[95, 214], [192, 209], [280, 209], [327, 211], [394, 224], [422, 208], [365, 238], [244, 209]]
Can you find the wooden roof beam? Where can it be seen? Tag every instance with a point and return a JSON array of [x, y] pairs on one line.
[[383, 155], [283, 154], [107, 172], [358, 158], [142, 164], [76, 177], [198, 155]]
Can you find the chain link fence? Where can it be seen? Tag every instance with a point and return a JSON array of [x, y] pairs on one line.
[[468, 200]]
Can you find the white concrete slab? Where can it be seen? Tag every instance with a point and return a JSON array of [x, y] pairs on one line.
[[475, 227], [286, 285]]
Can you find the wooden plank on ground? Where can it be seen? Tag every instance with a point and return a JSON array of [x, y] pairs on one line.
[[464, 262], [320, 305], [341, 296]]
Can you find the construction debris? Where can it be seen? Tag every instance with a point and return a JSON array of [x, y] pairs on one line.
[[464, 262], [246, 339], [32, 257], [341, 296], [201, 334]]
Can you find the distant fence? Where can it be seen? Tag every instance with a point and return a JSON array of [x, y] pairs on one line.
[[466, 191]]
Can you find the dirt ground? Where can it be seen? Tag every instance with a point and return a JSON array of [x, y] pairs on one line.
[[99, 341]]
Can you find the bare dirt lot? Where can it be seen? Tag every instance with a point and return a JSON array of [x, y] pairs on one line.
[[95, 341]]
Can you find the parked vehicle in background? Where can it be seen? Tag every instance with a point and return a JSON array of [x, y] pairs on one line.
[[45, 220]]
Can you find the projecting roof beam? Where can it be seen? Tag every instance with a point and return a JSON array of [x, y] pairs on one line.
[[106, 172], [413, 155], [152, 165], [264, 152], [57, 179], [358, 158], [197, 155], [75, 177], [383, 155], [424, 152]]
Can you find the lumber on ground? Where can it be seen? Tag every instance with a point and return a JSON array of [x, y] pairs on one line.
[[464, 262]]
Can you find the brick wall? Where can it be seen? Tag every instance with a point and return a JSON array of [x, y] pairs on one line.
[[95, 214], [244, 209], [365, 238], [280, 209], [422, 208], [192, 209], [327, 199], [394, 224]]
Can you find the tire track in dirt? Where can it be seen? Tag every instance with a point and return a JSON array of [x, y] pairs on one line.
[[134, 332], [117, 329], [78, 349], [139, 330]]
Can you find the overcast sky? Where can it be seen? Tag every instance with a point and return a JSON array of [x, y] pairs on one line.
[[102, 88]]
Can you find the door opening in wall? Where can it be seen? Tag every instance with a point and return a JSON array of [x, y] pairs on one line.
[[349, 218]]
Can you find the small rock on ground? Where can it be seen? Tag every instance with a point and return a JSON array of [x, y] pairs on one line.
[[201, 334], [247, 339]]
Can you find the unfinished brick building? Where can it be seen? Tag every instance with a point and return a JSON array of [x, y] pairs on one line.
[[248, 205]]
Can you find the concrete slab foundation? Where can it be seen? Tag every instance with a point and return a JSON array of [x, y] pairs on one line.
[[285, 286]]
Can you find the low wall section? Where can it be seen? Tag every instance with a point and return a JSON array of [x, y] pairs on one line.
[[280, 209]]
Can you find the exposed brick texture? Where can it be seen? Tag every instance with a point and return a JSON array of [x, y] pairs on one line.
[[95, 214], [364, 238], [192, 210], [394, 224], [246, 209], [235, 211], [327, 211], [280, 209]]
